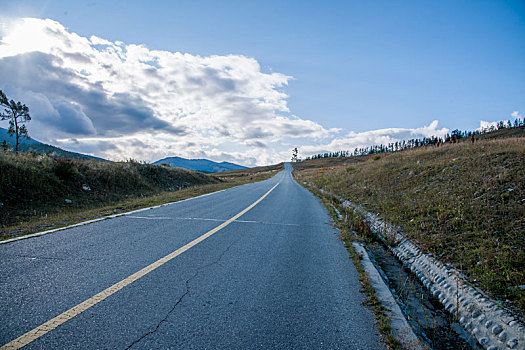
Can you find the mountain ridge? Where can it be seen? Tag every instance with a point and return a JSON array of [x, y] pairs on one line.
[[27, 145], [202, 165]]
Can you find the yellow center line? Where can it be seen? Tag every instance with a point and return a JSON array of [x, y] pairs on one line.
[[48, 326]]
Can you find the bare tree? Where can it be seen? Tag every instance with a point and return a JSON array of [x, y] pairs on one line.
[[17, 114]]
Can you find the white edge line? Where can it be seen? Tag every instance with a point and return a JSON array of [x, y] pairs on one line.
[[38, 234]]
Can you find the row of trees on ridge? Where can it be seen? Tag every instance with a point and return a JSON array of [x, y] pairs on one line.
[[453, 137]]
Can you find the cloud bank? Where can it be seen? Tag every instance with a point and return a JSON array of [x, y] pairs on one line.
[[120, 101], [386, 136], [485, 125]]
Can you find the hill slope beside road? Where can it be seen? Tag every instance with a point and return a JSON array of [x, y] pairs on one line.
[[464, 203], [42, 190], [277, 276]]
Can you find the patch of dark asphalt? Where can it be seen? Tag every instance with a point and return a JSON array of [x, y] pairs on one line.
[[180, 299]]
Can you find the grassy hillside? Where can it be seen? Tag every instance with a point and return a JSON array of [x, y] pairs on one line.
[[40, 191], [330, 163], [463, 202]]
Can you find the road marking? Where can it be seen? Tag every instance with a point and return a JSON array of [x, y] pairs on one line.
[[216, 220], [182, 218], [172, 218], [48, 326]]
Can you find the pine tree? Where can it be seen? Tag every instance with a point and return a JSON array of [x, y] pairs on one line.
[[17, 114], [294, 154]]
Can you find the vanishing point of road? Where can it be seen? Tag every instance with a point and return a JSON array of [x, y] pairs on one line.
[[256, 266]]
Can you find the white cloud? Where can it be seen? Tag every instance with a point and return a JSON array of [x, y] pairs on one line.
[[516, 114], [120, 100], [484, 125]]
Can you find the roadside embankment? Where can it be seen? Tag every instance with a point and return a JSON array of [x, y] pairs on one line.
[[493, 326], [454, 215], [41, 192], [462, 203], [489, 323]]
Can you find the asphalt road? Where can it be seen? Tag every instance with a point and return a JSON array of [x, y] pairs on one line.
[[277, 277]]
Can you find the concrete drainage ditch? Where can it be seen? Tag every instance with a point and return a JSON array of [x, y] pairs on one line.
[[482, 322], [423, 312], [491, 325]]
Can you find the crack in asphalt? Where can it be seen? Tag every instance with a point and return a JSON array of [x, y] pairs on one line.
[[188, 281]]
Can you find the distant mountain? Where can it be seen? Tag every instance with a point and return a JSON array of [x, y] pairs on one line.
[[202, 165], [39, 147]]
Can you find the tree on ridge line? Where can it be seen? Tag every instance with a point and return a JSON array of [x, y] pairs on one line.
[[294, 154], [17, 114]]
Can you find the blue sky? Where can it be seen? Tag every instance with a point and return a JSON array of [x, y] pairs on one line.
[[358, 66]]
